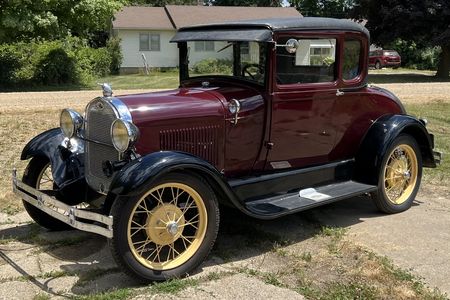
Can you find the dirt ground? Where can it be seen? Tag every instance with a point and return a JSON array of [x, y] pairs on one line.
[[258, 258]]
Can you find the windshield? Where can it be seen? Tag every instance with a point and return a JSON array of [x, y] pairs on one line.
[[240, 60]]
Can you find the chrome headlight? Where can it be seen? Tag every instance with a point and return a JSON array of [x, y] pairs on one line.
[[70, 122], [124, 134]]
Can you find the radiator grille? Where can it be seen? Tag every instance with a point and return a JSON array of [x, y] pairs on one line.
[[199, 141], [99, 117]]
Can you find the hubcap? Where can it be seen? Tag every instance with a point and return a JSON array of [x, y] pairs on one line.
[[400, 174], [167, 226]]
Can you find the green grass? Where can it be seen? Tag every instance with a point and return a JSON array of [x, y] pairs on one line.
[[438, 115], [173, 286], [402, 76], [155, 80]]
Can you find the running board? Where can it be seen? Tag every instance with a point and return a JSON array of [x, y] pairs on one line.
[[307, 198]]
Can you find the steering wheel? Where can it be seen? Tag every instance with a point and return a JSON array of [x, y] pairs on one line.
[[246, 71]]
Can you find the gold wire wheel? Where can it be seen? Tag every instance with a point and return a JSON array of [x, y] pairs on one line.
[[400, 174], [167, 226], [45, 178]]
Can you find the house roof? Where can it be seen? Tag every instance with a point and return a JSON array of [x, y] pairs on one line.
[[142, 17], [183, 16], [177, 16]]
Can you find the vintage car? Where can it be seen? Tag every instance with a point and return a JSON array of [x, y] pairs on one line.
[[291, 124]]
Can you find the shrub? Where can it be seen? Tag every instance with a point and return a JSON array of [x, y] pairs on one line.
[[213, 66], [416, 56], [68, 61], [9, 65], [57, 67], [115, 53]]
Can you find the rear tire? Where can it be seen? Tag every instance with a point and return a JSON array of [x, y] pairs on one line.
[[167, 231], [399, 176], [38, 175]]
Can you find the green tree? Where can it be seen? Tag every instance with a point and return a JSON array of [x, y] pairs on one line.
[[324, 8], [53, 19], [425, 22]]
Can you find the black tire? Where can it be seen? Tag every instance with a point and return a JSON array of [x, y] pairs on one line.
[[127, 240], [33, 173], [403, 155], [378, 65]]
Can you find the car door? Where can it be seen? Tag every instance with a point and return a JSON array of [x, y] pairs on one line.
[[301, 132]]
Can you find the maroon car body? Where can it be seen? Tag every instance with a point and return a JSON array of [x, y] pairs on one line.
[[290, 125], [384, 58]]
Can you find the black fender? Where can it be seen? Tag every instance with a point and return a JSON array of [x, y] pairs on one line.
[[381, 135], [67, 165], [135, 177]]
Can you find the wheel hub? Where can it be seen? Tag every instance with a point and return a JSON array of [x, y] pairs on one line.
[[165, 224]]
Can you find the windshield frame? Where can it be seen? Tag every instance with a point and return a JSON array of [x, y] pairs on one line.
[[184, 65]]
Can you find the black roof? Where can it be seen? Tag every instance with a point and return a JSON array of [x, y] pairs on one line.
[[247, 29], [279, 24]]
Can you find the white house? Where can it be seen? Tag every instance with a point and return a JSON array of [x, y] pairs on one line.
[[148, 30]]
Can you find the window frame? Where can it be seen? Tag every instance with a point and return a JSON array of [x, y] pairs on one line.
[[150, 43], [204, 48], [311, 85]]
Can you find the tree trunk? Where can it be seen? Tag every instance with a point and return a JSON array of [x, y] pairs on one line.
[[444, 62]]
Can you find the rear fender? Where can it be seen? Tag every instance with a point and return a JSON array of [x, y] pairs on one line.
[[381, 135]]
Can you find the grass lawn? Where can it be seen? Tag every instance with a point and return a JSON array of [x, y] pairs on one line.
[[402, 75], [438, 115], [155, 80]]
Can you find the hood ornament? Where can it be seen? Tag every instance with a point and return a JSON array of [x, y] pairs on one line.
[[107, 90]]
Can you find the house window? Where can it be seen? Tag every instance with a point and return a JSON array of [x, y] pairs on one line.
[[201, 46], [149, 42], [245, 48], [317, 55]]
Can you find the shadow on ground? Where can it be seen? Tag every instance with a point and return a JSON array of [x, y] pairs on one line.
[[86, 258]]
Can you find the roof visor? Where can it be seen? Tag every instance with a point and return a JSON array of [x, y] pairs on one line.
[[256, 35]]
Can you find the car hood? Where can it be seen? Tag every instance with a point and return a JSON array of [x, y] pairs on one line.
[[175, 104]]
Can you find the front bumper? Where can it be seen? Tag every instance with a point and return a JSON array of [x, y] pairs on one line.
[[77, 218], [437, 157]]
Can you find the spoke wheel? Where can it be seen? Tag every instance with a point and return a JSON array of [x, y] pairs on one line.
[[399, 176], [166, 231], [38, 174], [167, 226]]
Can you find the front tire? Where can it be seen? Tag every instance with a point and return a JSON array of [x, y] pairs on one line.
[[167, 231], [39, 176], [399, 176], [378, 65]]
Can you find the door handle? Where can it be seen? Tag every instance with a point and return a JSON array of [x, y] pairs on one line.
[[339, 93]]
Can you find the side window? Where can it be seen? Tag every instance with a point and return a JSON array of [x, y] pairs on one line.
[[312, 62], [351, 64]]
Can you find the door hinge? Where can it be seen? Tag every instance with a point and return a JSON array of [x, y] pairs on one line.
[[269, 145]]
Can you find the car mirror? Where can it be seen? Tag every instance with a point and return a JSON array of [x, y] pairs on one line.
[[290, 46]]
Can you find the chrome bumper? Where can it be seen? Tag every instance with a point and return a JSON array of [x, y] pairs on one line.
[[437, 157], [70, 215]]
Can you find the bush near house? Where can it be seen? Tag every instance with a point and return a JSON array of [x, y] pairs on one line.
[[213, 65], [416, 56], [60, 62]]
